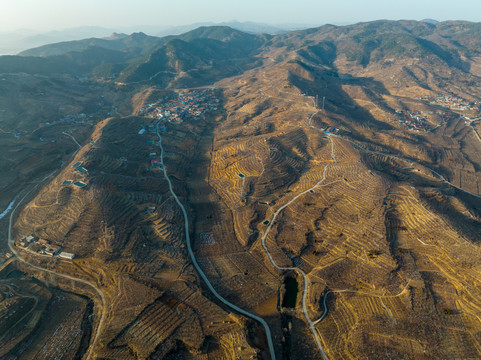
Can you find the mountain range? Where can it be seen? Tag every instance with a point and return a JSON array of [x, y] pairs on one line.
[[139, 57], [17, 41], [226, 194]]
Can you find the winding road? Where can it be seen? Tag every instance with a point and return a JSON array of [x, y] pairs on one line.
[[266, 233], [92, 285], [196, 265], [303, 274], [325, 308], [300, 271], [74, 139]]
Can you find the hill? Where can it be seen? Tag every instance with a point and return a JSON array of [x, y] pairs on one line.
[[139, 57], [115, 42], [196, 58], [313, 194]]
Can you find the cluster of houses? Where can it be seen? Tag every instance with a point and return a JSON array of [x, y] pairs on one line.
[[152, 129], [74, 119], [181, 106], [79, 168], [43, 247], [77, 118], [417, 121], [156, 164], [452, 102], [413, 120]]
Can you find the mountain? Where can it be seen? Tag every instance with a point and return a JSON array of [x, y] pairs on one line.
[[259, 28], [28, 40], [15, 42], [137, 57], [430, 21], [248, 26], [114, 42], [225, 50], [138, 43], [310, 194], [75, 33], [11, 42], [197, 57]]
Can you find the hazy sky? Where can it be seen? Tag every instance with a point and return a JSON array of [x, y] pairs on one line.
[[61, 14]]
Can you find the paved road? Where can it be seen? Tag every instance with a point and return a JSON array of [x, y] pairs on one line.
[[306, 285], [325, 308], [74, 139], [16, 253], [196, 265], [300, 271], [475, 132]]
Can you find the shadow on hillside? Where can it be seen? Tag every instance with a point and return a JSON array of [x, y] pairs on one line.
[[343, 111], [338, 103], [466, 225], [340, 109]]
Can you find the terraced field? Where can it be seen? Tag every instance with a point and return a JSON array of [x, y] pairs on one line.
[[309, 204], [125, 231], [347, 234]]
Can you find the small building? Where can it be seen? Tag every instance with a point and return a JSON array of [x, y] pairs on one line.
[[66, 255], [155, 163], [52, 250], [8, 255], [43, 242], [28, 239], [80, 184]]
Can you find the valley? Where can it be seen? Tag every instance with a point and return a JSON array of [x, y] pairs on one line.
[[307, 195]]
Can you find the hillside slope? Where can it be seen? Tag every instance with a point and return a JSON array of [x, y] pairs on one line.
[[330, 179]]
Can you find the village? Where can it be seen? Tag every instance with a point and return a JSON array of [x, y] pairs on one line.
[[175, 109], [74, 119], [418, 121], [452, 102], [413, 120], [182, 106], [39, 246]]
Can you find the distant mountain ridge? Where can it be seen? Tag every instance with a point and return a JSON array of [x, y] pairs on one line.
[[212, 52], [13, 43], [430, 21], [119, 42], [114, 42]]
